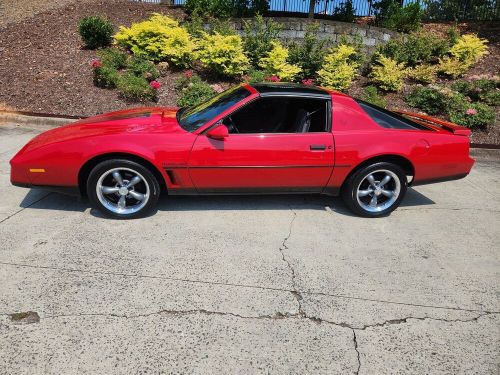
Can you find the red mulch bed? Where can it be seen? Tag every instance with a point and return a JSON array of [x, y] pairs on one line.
[[44, 67]]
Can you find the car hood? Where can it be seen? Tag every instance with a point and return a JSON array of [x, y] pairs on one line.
[[136, 120]]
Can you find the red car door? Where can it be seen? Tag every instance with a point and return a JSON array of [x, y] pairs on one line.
[[265, 162]]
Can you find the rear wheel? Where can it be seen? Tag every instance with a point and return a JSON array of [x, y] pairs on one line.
[[122, 189], [375, 190]]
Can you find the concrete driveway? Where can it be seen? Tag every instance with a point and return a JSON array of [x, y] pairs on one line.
[[252, 284]]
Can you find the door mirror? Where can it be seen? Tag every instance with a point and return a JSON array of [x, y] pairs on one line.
[[218, 132]]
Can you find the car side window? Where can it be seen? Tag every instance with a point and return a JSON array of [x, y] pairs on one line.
[[279, 115]]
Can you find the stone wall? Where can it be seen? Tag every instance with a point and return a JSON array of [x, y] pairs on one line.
[[294, 28]]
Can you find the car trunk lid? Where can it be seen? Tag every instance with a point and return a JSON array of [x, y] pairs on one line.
[[436, 123]]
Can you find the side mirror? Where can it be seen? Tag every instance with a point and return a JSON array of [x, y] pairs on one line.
[[218, 132]]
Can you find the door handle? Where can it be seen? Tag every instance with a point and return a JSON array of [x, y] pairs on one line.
[[317, 147]]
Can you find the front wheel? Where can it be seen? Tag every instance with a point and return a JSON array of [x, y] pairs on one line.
[[122, 189], [375, 190]]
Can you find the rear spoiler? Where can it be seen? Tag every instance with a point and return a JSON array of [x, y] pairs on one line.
[[446, 125]]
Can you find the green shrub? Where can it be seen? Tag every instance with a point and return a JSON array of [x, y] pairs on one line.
[[192, 90], [96, 31], [388, 74], [471, 115], [424, 73], [310, 53], [257, 38], [134, 88], [485, 90], [371, 95], [223, 54], [429, 100], [255, 76], [113, 57], [404, 18], [416, 48], [106, 77], [160, 38], [143, 68], [275, 62], [339, 68], [344, 12]]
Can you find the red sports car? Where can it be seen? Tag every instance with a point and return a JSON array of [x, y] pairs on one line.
[[250, 139]]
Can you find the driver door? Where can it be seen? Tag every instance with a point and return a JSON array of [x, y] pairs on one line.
[[261, 156]]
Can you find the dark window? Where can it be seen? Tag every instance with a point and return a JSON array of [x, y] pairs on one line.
[[279, 115], [192, 118], [388, 119]]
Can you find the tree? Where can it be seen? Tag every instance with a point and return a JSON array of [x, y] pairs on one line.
[[312, 3]]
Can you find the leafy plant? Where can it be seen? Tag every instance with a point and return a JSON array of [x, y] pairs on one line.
[[113, 57], [424, 73], [226, 8], [310, 53], [158, 38], [258, 36], [96, 31], [471, 115], [388, 74], [485, 90], [429, 99], [223, 54], [106, 77], [339, 68], [469, 48], [371, 95], [143, 68], [276, 63], [452, 67], [192, 90], [134, 88], [255, 76], [416, 48], [393, 15]]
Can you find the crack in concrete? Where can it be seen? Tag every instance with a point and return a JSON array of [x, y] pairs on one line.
[[23, 208], [236, 285], [355, 339], [296, 294]]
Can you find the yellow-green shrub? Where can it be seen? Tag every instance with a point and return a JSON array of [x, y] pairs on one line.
[[339, 69], [158, 38], [424, 73], [223, 54], [453, 67], [469, 48], [388, 74], [275, 63]]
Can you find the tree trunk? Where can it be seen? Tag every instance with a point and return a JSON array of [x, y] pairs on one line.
[[312, 3]]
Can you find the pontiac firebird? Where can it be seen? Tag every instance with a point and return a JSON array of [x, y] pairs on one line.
[[250, 139]]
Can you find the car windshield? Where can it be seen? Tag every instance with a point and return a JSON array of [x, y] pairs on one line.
[[194, 117]]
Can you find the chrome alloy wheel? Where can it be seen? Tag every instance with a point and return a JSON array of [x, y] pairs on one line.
[[122, 190], [378, 190]]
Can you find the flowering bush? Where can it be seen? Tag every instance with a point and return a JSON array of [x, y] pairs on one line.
[[105, 77], [134, 88], [471, 115], [113, 57], [223, 54], [155, 85], [275, 63], [339, 68], [158, 38], [388, 74], [308, 81], [96, 63]]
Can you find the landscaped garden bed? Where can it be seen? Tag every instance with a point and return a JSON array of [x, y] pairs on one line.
[[434, 70]]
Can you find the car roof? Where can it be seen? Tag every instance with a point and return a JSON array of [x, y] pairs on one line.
[[289, 89]]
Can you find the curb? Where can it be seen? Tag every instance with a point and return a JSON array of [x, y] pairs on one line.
[[34, 118]]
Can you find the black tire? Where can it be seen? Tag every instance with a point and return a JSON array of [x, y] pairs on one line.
[[109, 203], [359, 180]]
